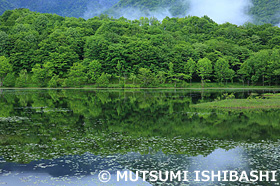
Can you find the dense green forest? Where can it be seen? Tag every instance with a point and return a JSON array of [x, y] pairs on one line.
[[49, 50]]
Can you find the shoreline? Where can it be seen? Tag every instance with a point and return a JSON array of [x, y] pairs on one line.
[[157, 88]]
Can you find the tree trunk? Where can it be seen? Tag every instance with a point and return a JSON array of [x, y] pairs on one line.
[[263, 80], [1, 83]]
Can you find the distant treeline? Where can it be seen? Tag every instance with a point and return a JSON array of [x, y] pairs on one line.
[[50, 50]]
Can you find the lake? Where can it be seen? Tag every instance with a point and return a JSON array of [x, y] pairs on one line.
[[67, 137]]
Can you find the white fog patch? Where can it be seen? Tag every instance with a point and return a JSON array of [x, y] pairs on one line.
[[221, 11], [97, 7], [92, 12], [135, 13]]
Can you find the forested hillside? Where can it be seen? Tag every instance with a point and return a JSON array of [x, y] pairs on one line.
[[49, 50], [266, 11], [5, 5], [70, 8], [260, 11], [144, 8]]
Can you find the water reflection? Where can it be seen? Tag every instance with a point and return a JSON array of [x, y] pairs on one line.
[[68, 136], [82, 170], [85, 168]]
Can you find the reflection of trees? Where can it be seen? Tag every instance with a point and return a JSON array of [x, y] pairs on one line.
[[48, 124]]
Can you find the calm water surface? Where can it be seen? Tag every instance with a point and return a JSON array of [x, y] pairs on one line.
[[66, 137]]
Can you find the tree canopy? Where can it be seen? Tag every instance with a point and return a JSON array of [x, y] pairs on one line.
[[172, 50]]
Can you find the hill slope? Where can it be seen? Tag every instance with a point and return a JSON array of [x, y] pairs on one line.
[[266, 11], [260, 11], [70, 8], [5, 5], [172, 8]]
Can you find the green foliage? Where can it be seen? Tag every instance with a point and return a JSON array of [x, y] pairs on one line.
[[204, 69], [171, 74], [4, 43], [103, 80], [9, 80], [190, 68], [76, 76], [146, 77], [41, 74], [5, 68], [133, 77], [119, 71], [161, 77], [94, 71], [222, 70], [21, 81], [173, 50], [225, 96], [54, 82], [262, 66]]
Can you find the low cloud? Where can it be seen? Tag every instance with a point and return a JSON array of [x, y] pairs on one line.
[[221, 11], [134, 13], [97, 7]]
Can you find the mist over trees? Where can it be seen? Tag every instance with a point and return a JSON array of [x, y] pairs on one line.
[[5, 5], [50, 50], [221, 11]]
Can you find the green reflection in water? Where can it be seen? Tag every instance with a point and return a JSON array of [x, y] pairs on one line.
[[137, 130], [47, 124]]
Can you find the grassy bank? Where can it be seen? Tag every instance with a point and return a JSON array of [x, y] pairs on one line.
[[268, 101]]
